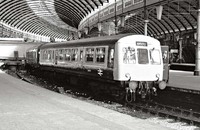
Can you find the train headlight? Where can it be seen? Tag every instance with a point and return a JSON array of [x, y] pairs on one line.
[[162, 85], [133, 85]]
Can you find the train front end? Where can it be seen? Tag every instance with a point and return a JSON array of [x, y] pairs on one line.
[[138, 64]]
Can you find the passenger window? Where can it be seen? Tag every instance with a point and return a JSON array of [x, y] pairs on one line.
[[143, 56], [49, 55], [52, 54], [89, 54], [45, 55], [81, 55], [155, 56], [67, 54], [61, 56], [56, 56], [74, 55], [129, 55], [100, 55], [111, 58]]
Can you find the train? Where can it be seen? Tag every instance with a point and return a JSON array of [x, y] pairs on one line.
[[126, 64], [13, 52]]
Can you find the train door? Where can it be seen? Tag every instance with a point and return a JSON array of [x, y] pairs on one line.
[[165, 55], [56, 57]]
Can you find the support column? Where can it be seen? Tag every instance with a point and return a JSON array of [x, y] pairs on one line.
[[109, 29], [79, 34], [180, 50], [86, 29], [122, 21], [99, 29], [116, 28], [197, 59], [145, 18], [146, 27], [1, 33]]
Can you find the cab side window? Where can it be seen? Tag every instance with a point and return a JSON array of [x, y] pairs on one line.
[[155, 56], [111, 58]]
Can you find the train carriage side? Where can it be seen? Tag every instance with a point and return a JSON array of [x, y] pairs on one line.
[[91, 57], [13, 53], [32, 56]]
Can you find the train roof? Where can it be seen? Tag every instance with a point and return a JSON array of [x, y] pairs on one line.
[[104, 40]]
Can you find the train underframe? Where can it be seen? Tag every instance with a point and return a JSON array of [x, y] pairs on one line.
[[122, 91], [140, 89]]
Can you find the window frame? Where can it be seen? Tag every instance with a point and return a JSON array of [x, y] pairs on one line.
[[147, 58], [93, 48], [151, 58], [76, 53], [100, 54], [94, 63]]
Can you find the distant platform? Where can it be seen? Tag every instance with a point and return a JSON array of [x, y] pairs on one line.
[[184, 80], [182, 66], [12, 39]]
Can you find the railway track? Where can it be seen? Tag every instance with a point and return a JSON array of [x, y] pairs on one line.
[[23, 78], [151, 106], [167, 111]]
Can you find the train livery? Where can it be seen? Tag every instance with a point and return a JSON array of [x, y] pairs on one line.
[[133, 63]]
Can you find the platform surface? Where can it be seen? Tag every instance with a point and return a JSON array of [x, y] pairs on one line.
[[27, 107], [184, 79]]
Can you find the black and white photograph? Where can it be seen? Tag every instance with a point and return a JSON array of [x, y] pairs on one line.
[[99, 64]]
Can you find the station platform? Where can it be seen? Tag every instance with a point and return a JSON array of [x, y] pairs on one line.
[[24, 106], [184, 80]]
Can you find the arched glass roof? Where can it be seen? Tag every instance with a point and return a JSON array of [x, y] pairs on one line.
[[53, 18]]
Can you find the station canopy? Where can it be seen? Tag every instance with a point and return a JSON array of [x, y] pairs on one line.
[[53, 18], [178, 16], [60, 18]]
